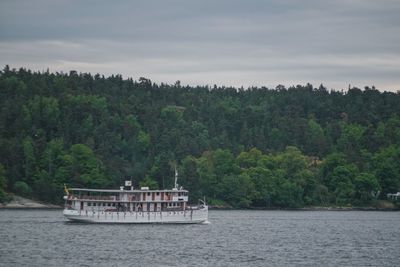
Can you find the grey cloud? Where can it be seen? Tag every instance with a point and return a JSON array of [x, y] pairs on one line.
[[205, 42]]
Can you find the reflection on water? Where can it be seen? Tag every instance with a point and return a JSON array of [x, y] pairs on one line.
[[232, 238]]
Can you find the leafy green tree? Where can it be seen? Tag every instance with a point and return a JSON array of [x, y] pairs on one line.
[[265, 188], [22, 189], [392, 130], [86, 169], [43, 113], [315, 139], [321, 195], [91, 130], [341, 183], [208, 179], [387, 168], [290, 195], [29, 159], [189, 176], [366, 186], [350, 141], [249, 159], [328, 165], [238, 190], [3, 184], [292, 161], [148, 182]]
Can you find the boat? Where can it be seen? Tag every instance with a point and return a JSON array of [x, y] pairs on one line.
[[130, 205]]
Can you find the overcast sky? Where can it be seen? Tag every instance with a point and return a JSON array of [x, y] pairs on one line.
[[227, 42]]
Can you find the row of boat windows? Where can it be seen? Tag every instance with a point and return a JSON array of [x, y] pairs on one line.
[[101, 204], [113, 204], [179, 194]]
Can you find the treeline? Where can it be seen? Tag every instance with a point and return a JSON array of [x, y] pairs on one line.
[[282, 147]]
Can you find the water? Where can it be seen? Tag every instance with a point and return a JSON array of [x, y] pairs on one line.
[[234, 238]]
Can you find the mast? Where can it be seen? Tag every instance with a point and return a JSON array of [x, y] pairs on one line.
[[176, 179]]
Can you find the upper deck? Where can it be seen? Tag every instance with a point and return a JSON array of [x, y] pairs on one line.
[[127, 195], [127, 199], [128, 191]]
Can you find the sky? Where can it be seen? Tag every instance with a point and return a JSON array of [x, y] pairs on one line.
[[245, 43]]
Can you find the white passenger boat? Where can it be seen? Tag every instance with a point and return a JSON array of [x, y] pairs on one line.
[[129, 205]]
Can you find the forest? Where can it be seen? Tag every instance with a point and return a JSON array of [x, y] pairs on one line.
[[240, 147]]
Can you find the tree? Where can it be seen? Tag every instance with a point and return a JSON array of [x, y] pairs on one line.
[[3, 184], [341, 184], [387, 168], [96, 131], [238, 190], [315, 139], [328, 165], [22, 189], [264, 186], [350, 141], [366, 186], [86, 169], [29, 159], [249, 159], [148, 182], [189, 176]]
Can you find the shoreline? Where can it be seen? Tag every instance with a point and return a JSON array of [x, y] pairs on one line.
[[392, 207], [21, 203], [310, 209]]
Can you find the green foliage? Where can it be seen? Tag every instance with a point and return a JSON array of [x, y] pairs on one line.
[[3, 181], [238, 190], [315, 139], [366, 186], [147, 181], [350, 141], [387, 168], [143, 141], [86, 169], [341, 184], [3, 184], [45, 187], [42, 112], [282, 147], [29, 159], [22, 189]]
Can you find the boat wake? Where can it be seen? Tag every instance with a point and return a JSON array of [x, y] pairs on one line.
[[206, 222]]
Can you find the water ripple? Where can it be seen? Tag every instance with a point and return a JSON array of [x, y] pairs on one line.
[[233, 238]]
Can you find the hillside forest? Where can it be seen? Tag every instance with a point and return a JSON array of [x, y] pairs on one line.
[[241, 147]]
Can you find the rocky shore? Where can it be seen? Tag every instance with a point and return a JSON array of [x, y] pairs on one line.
[[18, 202], [381, 205]]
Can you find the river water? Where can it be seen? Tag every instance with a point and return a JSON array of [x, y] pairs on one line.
[[233, 238]]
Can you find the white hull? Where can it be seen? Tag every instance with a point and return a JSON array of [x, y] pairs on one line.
[[188, 216]]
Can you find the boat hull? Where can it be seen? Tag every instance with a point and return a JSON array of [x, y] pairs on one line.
[[188, 216]]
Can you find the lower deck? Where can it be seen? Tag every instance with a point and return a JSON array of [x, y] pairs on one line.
[[186, 216]]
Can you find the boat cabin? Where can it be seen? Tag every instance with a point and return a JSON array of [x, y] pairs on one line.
[[126, 200]]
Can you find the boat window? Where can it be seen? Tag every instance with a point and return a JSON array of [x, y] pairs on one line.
[[109, 204], [94, 204], [148, 193], [89, 204], [158, 193], [104, 204], [113, 204]]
